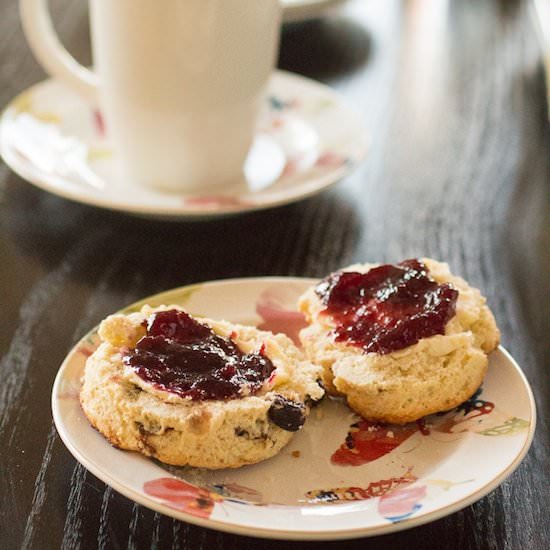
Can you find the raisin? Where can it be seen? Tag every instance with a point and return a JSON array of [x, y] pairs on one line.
[[287, 414]]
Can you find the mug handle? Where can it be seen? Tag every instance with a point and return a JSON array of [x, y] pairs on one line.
[[54, 58]]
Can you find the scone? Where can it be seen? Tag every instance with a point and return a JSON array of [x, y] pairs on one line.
[[196, 392], [398, 341]]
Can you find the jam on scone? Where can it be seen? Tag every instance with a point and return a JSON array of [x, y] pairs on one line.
[[180, 355], [387, 308]]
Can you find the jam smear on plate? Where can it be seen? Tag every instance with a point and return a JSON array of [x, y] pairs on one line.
[[388, 308], [185, 357]]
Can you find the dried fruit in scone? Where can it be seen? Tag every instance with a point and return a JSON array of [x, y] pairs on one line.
[[399, 341], [196, 392]]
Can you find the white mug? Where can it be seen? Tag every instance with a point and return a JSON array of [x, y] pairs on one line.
[[179, 82]]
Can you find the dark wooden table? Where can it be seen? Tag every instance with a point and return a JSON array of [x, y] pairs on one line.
[[453, 96]]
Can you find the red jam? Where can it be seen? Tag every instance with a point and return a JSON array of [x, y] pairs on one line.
[[185, 357], [388, 308]]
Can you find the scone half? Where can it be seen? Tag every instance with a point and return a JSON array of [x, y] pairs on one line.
[[435, 374], [136, 415]]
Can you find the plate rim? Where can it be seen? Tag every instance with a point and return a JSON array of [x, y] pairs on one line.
[[305, 535], [316, 185]]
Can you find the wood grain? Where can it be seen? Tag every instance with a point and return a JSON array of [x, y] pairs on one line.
[[453, 97]]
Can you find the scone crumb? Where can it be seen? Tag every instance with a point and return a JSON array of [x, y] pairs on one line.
[[295, 454]]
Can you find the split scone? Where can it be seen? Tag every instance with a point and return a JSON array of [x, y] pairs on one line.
[[398, 341], [196, 392]]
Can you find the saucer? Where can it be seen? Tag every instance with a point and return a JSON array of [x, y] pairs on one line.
[[340, 477], [307, 139], [302, 10]]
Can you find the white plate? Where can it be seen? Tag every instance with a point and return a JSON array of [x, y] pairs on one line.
[[402, 477], [301, 10], [307, 139]]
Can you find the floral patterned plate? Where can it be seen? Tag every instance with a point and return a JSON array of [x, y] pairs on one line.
[[307, 139], [341, 476]]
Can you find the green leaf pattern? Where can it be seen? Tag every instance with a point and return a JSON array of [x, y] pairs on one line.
[[511, 426]]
